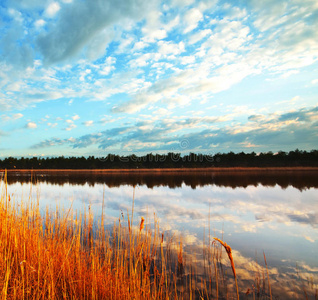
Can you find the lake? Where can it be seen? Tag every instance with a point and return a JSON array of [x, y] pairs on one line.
[[253, 211]]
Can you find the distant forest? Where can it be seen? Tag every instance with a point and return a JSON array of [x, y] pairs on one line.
[[295, 158]]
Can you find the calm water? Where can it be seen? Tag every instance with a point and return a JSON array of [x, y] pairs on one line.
[[254, 212]]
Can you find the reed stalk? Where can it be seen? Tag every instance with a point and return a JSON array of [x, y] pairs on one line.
[[269, 284], [229, 253]]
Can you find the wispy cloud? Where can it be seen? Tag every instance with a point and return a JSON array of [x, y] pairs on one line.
[[70, 127], [88, 123], [7, 118], [17, 116], [52, 125], [191, 19]]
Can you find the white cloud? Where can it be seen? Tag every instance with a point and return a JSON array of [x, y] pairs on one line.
[[52, 125], [315, 81], [5, 118], [140, 45], [106, 70], [231, 12], [38, 95], [15, 14], [273, 18], [76, 117], [172, 24], [166, 48], [31, 125], [185, 60], [289, 73], [227, 36], [295, 99], [154, 30], [144, 59], [191, 19], [183, 87], [52, 9], [157, 34], [70, 127], [17, 116], [88, 123], [14, 86], [140, 101], [108, 66], [39, 23], [106, 120], [162, 112], [198, 36], [125, 44]]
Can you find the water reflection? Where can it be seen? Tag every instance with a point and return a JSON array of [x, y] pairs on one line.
[[285, 178], [254, 212]]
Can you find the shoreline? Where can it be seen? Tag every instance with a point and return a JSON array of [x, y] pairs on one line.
[[166, 170]]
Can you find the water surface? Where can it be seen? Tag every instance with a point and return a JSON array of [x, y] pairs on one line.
[[274, 212]]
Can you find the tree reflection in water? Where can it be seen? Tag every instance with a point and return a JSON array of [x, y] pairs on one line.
[[174, 179]]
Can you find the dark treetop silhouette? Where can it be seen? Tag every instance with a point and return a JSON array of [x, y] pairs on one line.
[[295, 158]]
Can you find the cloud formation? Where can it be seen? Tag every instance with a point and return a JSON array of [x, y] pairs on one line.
[[172, 62], [76, 27], [259, 132]]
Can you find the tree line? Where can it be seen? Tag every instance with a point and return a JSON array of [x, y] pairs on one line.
[[296, 158]]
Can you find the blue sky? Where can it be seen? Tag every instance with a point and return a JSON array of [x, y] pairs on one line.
[[133, 76]]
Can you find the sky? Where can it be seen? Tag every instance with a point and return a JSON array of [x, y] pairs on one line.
[[80, 78]]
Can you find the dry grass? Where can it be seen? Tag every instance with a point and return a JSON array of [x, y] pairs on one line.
[[61, 255], [52, 257]]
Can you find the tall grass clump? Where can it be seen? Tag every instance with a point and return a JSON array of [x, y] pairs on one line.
[[65, 255]]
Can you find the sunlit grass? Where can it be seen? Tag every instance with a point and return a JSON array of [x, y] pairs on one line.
[[62, 255]]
